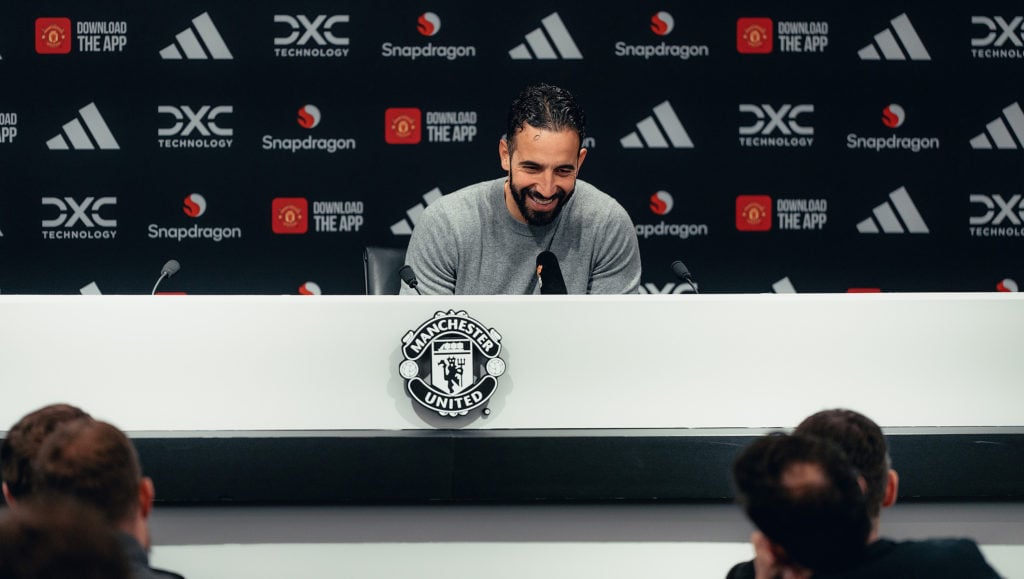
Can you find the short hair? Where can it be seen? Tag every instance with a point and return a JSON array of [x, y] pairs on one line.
[[23, 441], [547, 107], [60, 538], [93, 462], [862, 441], [823, 525]]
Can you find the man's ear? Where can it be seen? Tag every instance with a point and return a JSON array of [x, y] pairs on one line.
[[505, 155], [579, 160], [147, 492], [8, 497], [892, 486]]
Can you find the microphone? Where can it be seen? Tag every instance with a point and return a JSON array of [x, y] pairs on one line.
[[682, 273], [409, 277], [170, 268], [550, 274]]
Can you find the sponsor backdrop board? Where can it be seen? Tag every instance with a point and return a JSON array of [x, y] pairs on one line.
[[785, 147]]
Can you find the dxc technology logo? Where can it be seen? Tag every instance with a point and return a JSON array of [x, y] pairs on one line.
[[999, 37], [195, 128], [76, 219], [1000, 217], [773, 127], [301, 36]]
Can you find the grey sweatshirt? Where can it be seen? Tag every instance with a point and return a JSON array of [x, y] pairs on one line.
[[468, 243]]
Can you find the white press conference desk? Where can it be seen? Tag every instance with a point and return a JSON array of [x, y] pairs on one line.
[[242, 363], [602, 398]]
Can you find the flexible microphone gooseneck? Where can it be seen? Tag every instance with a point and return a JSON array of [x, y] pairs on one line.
[[550, 274], [684, 274], [409, 277], [170, 268]]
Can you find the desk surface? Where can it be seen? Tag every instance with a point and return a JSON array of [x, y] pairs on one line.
[[238, 363]]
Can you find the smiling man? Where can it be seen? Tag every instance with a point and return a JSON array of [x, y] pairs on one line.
[[486, 238]]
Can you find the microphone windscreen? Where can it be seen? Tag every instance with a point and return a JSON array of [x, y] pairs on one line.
[[680, 270], [170, 268], [551, 278], [408, 276]]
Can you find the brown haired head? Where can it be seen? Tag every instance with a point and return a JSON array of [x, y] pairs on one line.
[[94, 462], [862, 441], [23, 441]]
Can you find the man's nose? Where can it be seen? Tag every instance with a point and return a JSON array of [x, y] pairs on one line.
[[546, 185]]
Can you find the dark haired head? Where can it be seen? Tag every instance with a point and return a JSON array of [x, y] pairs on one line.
[[547, 107], [93, 462], [803, 494], [59, 538], [862, 441], [23, 441]]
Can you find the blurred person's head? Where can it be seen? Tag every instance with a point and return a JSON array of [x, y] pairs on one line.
[[22, 443], [803, 494], [95, 463], [864, 444], [59, 539]]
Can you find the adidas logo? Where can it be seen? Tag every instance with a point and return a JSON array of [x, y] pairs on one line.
[[654, 135], [783, 286], [193, 46], [891, 50], [886, 217], [540, 46], [403, 227], [998, 131], [78, 135]]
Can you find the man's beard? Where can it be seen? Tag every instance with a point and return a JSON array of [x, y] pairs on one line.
[[538, 217]]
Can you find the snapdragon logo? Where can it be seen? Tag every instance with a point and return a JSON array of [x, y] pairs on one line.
[[189, 127], [309, 117], [771, 127], [428, 24], [194, 206], [661, 204], [997, 37], [75, 219], [8, 128], [662, 24], [319, 36], [893, 116], [997, 216]]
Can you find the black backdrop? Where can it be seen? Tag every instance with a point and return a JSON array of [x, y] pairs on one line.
[[953, 97]]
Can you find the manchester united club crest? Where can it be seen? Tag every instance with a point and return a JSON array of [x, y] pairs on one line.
[[451, 363]]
